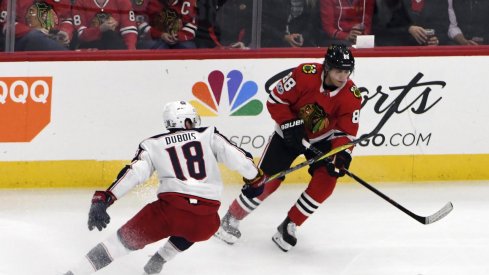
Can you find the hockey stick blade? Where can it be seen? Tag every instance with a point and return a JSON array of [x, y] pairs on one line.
[[440, 214]]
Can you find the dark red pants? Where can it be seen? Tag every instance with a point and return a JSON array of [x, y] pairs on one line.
[[171, 215]]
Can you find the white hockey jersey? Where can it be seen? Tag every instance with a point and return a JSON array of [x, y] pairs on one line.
[[186, 162]]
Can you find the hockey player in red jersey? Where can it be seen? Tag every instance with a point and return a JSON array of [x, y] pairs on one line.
[[318, 103], [105, 24], [186, 160]]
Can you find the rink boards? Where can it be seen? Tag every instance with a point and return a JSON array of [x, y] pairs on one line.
[[76, 123]]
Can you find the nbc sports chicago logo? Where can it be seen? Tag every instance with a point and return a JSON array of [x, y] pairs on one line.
[[226, 94]]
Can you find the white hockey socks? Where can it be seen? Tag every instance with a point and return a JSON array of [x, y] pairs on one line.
[[100, 256]]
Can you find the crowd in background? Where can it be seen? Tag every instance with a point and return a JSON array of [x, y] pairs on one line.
[[186, 24]]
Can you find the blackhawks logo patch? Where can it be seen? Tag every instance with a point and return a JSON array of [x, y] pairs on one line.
[[309, 69], [315, 118], [356, 92]]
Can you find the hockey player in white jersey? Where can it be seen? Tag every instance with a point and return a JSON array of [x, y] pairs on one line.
[[188, 198]]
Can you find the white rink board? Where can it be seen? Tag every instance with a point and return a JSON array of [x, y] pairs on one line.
[[102, 109]]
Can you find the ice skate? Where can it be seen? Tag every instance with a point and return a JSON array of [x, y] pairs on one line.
[[228, 231], [285, 237], [154, 265]]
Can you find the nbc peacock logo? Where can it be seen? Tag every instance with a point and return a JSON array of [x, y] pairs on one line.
[[212, 99]]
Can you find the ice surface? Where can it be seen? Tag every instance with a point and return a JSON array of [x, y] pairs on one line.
[[355, 232]]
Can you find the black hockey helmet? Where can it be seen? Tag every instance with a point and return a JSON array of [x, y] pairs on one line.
[[340, 57]]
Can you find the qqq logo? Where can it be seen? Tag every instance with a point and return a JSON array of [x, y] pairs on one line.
[[239, 95], [25, 107]]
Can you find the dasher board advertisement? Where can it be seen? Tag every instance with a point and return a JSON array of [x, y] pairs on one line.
[[101, 110]]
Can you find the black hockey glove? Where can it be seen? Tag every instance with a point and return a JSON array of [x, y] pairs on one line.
[[253, 188], [98, 217], [294, 132], [339, 162]]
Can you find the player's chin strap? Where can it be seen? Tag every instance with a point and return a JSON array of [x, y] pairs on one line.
[[424, 220]]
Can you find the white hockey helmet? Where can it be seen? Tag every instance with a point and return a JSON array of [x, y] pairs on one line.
[[177, 112]]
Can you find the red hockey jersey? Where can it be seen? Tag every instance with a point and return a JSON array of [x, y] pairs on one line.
[[332, 115], [54, 16], [181, 13], [87, 15], [142, 7]]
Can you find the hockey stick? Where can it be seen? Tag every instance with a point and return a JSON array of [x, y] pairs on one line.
[[319, 156], [322, 156], [440, 214]]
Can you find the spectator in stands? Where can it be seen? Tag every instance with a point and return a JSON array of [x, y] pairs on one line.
[[274, 21], [234, 23], [303, 27], [469, 21], [206, 35], [40, 25], [224, 23], [2, 41], [411, 22], [172, 24], [344, 20], [141, 8], [105, 24]]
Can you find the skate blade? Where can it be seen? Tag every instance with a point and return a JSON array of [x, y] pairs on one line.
[[279, 241], [225, 237]]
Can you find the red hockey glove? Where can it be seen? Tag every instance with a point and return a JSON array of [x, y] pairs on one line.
[[339, 162], [253, 188], [98, 217], [294, 132]]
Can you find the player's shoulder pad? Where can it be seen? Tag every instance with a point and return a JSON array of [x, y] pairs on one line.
[[157, 136], [246, 153], [356, 92], [141, 149], [353, 89], [200, 129], [309, 68], [218, 133]]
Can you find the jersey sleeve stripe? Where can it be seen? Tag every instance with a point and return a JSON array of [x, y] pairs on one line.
[[244, 152], [127, 30], [275, 100], [190, 28], [126, 168]]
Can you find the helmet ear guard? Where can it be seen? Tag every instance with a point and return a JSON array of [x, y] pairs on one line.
[[177, 113], [340, 57]]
